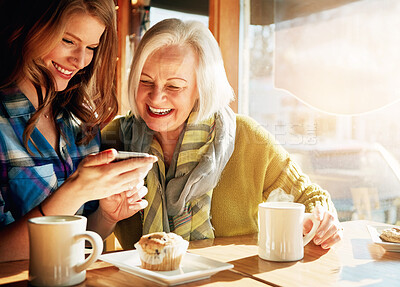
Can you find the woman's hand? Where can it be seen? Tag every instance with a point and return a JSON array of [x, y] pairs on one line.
[[98, 177], [123, 205], [330, 230], [118, 186]]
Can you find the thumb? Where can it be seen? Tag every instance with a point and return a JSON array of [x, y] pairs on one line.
[[100, 158], [319, 212]]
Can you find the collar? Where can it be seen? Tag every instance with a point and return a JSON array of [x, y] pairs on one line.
[[15, 103]]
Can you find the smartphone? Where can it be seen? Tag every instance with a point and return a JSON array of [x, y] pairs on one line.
[[122, 155]]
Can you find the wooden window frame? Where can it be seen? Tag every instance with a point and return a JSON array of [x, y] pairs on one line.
[[224, 23]]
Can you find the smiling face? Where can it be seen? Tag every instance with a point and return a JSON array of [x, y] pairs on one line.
[[76, 49], [167, 90]]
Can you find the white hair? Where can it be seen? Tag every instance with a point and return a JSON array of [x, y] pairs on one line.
[[215, 92]]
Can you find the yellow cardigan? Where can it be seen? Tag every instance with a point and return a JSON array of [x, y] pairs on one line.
[[257, 166]]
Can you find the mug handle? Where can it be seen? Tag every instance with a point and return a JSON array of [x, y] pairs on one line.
[[307, 238], [97, 248]]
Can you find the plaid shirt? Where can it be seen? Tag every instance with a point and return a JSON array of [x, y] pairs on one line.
[[27, 180]]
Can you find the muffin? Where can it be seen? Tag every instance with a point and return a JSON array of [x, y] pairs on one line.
[[161, 251]]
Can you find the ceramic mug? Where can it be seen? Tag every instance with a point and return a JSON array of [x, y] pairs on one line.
[[281, 231], [57, 250]]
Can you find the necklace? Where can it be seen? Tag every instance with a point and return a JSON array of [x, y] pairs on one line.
[[46, 116]]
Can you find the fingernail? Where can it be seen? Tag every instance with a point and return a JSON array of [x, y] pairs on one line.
[[109, 154], [143, 203], [140, 184]]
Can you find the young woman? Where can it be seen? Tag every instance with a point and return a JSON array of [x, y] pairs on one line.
[[214, 167], [57, 91]]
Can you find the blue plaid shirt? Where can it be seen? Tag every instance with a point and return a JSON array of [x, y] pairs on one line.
[[27, 180]]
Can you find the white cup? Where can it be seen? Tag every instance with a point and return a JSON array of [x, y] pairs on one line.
[[281, 231], [57, 250]]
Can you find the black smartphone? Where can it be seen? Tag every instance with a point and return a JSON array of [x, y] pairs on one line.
[[122, 155]]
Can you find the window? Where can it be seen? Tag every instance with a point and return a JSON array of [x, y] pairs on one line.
[[323, 78]]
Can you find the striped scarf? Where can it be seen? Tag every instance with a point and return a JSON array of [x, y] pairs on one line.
[[194, 222], [180, 198]]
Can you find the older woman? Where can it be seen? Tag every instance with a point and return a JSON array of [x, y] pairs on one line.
[[214, 167]]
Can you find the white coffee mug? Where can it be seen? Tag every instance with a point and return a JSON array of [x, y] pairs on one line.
[[57, 250], [281, 231]]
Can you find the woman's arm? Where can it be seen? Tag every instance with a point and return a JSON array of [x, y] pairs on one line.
[[281, 173], [286, 175], [95, 178], [14, 241]]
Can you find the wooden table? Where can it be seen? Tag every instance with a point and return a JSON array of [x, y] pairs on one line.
[[355, 261]]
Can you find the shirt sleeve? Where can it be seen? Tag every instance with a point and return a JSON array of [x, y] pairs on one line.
[[282, 172]]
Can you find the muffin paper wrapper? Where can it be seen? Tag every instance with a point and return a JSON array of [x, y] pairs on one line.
[[169, 256]]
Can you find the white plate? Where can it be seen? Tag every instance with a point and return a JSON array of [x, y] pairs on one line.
[[193, 267], [375, 231]]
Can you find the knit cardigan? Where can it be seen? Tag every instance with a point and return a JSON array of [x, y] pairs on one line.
[[257, 166]]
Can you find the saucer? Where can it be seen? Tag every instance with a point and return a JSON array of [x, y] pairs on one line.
[[375, 231], [193, 267]]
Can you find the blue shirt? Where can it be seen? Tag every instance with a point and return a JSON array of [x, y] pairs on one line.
[[25, 179]]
